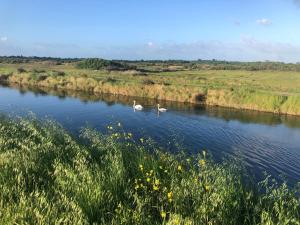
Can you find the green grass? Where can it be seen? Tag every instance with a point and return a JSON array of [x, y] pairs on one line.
[[271, 91], [50, 177]]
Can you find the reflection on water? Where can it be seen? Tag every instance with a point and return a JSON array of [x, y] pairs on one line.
[[244, 116], [263, 141]]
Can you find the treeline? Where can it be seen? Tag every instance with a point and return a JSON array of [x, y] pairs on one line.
[[157, 65], [31, 59], [250, 66], [219, 65]]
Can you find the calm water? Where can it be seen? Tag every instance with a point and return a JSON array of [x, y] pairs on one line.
[[265, 142]]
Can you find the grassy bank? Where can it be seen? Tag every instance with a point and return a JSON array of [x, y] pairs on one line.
[[48, 177], [244, 116], [271, 91]]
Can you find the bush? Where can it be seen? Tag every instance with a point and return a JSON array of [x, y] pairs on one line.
[[148, 82], [58, 73], [4, 77], [21, 70], [167, 84], [38, 77], [111, 80], [100, 64], [39, 71]]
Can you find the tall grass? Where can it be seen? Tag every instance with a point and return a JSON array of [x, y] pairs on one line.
[[50, 177], [271, 91], [276, 92]]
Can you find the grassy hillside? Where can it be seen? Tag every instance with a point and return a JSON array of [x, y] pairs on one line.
[[264, 90], [49, 177]]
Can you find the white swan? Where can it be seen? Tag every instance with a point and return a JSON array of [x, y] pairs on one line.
[[161, 109], [137, 107]]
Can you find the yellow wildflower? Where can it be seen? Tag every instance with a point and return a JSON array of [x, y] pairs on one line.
[[179, 168], [155, 187], [163, 214], [156, 182], [141, 167], [170, 195], [176, 221], [148, 179], [206, 187], [202, 162]]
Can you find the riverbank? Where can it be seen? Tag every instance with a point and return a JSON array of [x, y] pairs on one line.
[[244, 116], [269, 91], [48, 176]]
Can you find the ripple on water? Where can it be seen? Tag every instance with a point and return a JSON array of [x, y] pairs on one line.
[[265, 142]]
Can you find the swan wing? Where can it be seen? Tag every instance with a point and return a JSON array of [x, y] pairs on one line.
[[138, 107]]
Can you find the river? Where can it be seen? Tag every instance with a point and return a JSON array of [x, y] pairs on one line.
[[262, 141]]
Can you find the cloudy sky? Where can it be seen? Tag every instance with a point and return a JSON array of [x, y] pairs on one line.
[[249, 30]]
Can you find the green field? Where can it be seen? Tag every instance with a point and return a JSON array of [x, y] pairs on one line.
[[50, 177], [275, 91]]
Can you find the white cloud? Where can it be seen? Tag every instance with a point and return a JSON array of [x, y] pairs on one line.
[[264, 22], [150, 44], [3, 39], [246, 49]]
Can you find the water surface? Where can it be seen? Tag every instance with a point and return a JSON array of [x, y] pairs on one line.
[[264, 141]]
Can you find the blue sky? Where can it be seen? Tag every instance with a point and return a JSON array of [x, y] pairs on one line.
[[139, 29]]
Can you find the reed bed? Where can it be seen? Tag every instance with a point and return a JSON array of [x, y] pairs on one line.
[[270, 91]]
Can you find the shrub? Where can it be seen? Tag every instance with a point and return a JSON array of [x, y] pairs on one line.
[[166, 83], [38, 71], [111, 80], [148, 82], [58, 73], [38, 77], [100, 64], [135, 73], [21, 70], [4, 77]]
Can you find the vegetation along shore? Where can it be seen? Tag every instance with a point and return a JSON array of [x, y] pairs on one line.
[[263, 86], [49, 177]]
